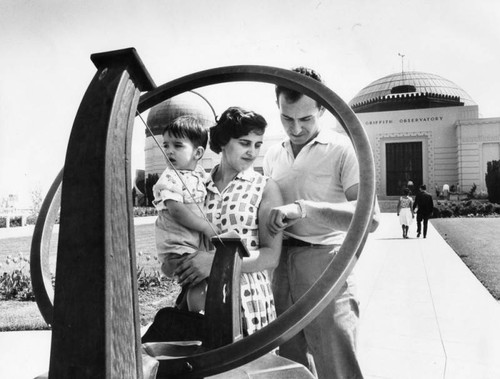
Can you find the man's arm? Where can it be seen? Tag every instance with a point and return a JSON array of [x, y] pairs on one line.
[[336, 215], [417, 198], [430, 208], [187, 218], [352, 195]]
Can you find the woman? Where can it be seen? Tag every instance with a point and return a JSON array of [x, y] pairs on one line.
[[405, 211], [240, 199]]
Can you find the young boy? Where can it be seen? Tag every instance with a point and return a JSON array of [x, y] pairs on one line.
[[180, 225]]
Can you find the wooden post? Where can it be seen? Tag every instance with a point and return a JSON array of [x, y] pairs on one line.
[[223, 304], [95, 332]]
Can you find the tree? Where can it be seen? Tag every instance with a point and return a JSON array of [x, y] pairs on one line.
[[36, 200], [493, 181], [150, 182]]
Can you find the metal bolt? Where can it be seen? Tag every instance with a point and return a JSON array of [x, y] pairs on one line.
[[103, 73]]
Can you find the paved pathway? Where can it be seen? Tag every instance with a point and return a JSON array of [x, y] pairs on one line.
[[424, 315]]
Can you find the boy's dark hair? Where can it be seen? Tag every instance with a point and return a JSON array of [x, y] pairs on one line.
[[234, 123], [291, 95], [189, 127]]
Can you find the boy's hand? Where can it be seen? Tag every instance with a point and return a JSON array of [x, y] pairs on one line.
[[211, 230]]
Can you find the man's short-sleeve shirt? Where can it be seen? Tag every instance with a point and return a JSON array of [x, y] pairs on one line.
[[322, 171]]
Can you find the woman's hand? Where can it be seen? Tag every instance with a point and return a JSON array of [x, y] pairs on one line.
[[194, 268]]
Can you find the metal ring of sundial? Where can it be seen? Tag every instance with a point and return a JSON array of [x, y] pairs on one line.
[[40, 250], [330, 282]]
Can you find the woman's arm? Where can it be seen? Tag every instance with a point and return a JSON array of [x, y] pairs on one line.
[[268, 254], [196, 267]]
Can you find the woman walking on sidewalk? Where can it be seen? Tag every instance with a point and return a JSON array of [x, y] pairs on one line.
[[405, 211]]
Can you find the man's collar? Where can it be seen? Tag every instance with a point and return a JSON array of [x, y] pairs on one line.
[[322, 137]]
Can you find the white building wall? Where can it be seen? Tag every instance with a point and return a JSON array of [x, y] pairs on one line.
[[445, 165], [434, 127], [477, 139]]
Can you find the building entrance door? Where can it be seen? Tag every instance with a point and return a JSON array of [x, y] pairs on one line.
[[403, 163]]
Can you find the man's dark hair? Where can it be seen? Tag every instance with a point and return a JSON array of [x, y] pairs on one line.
[[291, 95], [423, 187], [235, 122], [189, 127]]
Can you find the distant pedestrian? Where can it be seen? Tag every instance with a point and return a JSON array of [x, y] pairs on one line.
[[425, 206], [410, 186], [405, 211], [446, 191]]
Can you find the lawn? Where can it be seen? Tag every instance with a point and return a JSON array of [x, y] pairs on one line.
[[476, 241], [20, 315]]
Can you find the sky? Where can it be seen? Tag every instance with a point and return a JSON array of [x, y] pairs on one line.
[[45, 68]]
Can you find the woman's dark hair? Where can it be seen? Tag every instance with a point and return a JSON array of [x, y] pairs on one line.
[[234, 123], [406, 191], [189, 127]]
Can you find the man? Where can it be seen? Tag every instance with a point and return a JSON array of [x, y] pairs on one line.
[[425, 206], [318, 174]]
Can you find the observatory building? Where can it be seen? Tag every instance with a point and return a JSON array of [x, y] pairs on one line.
[[422, 128], [159, 116], [425, 129]]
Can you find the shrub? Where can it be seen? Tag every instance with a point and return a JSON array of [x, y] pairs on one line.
[[144, 211], [488, 208], [481, 195], [16, 221], [443, 209], [31, 219], [472, 192], [493, 181], [496, 208], [16, 285], [467, 208], [146, 280]]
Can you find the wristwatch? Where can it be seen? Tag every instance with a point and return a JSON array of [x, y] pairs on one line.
[[302, 207]]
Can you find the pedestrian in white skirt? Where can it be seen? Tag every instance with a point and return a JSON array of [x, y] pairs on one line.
[[405, 211]]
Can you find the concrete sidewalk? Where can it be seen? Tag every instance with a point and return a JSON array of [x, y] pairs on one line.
[[423, 315]]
